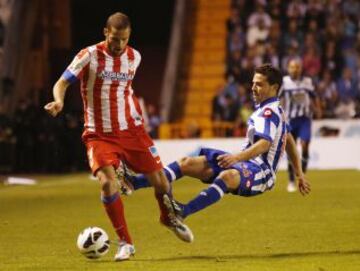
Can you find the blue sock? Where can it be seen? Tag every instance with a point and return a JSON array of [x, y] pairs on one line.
[[172, 172], [206, 198]]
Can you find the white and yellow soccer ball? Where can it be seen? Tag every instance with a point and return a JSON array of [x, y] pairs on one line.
[[93, 242]]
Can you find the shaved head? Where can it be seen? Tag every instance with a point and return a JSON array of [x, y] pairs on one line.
[[118, 21]]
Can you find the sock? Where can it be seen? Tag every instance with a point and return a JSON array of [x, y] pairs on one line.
[[206, 198], [291, 173], [304, 161], [172, 172], [115, 211]]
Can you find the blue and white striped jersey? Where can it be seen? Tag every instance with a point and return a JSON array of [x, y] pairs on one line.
[[297, 96], [268, 122]]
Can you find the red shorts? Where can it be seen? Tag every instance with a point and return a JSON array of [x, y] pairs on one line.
[[134, 147]]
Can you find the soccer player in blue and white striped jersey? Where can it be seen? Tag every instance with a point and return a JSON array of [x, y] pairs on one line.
[[249, 172], [299, 100]]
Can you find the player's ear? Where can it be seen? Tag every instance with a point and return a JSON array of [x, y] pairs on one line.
[[106, 31], [275, 88]]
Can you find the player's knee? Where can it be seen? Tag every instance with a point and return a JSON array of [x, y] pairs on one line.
[[106, 180], [231, 178], [185, 164]]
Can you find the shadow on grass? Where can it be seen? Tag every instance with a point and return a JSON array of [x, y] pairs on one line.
[[224, 258]]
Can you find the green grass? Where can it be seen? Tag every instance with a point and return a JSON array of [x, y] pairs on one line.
[[276, 231]]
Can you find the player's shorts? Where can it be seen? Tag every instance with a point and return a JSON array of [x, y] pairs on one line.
[[253, 178], [134, 147], [301, 128]]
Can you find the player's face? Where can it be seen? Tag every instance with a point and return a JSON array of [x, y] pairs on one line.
[[261, 88], [294, 69], [116, 40]]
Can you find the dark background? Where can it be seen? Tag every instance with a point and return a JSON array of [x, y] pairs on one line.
[[151, 24]]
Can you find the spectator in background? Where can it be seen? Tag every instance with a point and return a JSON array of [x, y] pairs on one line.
[[331, 59], [24, 117], [346, 86], [7, 142], [154, 121], [236, 41], [233, 69], [311, 63], [218, 104], [272, 56], [347, 92], [327, 94], [349, 31], [259, 15], [258, 31], [351, 7], [234, 20], [293, 35], [2, 33]]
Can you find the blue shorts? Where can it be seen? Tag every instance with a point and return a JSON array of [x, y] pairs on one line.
[[253, 179], [301, 128]]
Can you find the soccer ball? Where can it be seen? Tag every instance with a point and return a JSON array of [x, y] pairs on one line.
[[93, 242]]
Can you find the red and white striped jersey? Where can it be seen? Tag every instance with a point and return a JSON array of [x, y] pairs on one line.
[[109, 101]]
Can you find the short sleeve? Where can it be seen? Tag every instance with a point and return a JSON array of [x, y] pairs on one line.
[[75, 70], [266, 123], [137, 59]]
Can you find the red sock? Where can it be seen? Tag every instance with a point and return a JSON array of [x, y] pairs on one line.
[[115, 211]]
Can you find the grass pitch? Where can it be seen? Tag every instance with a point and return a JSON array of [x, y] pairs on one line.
[[275, 231]]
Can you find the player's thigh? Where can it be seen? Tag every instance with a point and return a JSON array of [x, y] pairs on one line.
[[305, 131], [101, 154], [196, 167]]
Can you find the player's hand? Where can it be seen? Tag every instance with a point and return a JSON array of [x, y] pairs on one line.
[[54, 108], [304, 185], [226, 160]]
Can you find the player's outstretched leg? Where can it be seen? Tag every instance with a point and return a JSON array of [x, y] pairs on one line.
[[131, 181], [196, 167], [227, 180]]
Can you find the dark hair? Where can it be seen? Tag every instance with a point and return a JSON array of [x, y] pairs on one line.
[[273, 75], [118, 20]]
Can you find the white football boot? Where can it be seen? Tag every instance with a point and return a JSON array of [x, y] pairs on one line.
[[124, 252]]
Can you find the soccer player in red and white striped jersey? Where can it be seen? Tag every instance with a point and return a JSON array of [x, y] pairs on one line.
[[114, 129]]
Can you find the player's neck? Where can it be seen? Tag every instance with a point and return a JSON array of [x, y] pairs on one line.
[[268, 100]]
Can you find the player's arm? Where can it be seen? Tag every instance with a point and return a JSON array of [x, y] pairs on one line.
[[73, 72], [294, 158], [260, 147], [59, 90]]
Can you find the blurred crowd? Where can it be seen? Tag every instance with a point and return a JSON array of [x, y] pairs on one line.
[[32, 141], [324, 34]]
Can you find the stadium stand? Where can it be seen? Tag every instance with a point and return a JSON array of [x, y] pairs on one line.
[[323, 33]]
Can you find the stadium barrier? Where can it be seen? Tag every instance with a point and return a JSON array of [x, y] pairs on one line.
[[339, 149], [191, 129]]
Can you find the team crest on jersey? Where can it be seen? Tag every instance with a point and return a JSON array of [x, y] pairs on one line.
[[117, 76], [153, 151], [246, 172], [267, 113], [248, 184]]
